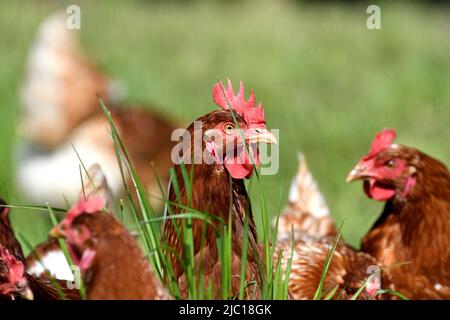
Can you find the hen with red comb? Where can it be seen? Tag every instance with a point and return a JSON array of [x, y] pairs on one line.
[[217, 187], [413, 231], [111, 262]]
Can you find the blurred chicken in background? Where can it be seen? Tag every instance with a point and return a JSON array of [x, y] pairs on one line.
[[61, 111], [61, 85], [306, 213]]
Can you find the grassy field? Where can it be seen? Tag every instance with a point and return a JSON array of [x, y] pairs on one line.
[[326, 81]]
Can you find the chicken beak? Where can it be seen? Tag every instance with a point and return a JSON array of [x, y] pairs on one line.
[[24, 290], [261, 135], [27, 293], [358, 172], [56, 232]]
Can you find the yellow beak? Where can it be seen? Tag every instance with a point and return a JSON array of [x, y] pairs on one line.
[[56, 232], [358, 172], [28, 294], [261, 135]]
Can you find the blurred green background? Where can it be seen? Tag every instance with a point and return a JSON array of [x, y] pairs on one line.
[[326, 81]]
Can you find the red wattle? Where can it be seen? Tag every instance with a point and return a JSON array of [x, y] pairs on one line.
[[377, 191], [239, 171], [241, 167]]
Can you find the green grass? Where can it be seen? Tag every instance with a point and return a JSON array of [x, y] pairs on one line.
[[325, 80]]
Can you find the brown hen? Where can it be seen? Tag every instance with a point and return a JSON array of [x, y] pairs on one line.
[[217, 187], [111, 262], [412, 233]]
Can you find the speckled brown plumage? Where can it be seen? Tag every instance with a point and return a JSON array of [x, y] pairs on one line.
[[349, 270], [414, 231], [306, 213], [61, 85], [51, 289], [304, 225]]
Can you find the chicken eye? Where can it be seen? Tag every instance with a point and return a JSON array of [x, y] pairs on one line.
[[77, 230], [390, 164], [228, 128]]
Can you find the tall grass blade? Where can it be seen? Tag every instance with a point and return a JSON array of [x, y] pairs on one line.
[[319, 292]]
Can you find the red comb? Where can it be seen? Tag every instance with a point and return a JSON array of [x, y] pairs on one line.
[[225, 98], [16, 267], [93, 204], [382, 141]]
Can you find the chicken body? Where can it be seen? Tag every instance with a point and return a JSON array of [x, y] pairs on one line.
[[61, 85], [348, 272], [214, 191], [120, 270], [314, 233], [60, 168], [306, 213]]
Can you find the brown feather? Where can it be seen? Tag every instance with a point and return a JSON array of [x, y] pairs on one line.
[[314, 230], [51, 289], [348, 270]]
